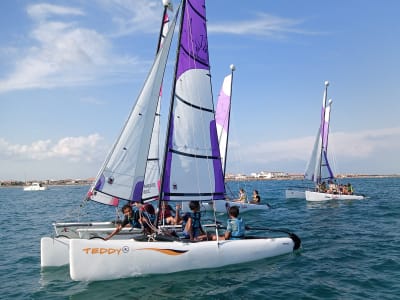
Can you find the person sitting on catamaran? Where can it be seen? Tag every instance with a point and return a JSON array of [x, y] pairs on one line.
[[165, 214], [242, 196], [191, 222], [350, 189], [322, 187], [147, 217], [131, 217], [256, 198], [235, 229]]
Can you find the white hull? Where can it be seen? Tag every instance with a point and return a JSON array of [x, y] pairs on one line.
[[35, 187], [92, 260], [54, 251], [295, 194], [316, 196]]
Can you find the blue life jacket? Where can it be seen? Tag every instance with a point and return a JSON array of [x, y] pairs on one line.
[[196, 224], [236, 227]]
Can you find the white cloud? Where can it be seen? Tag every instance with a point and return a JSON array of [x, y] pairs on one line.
[[42, 11], [74, 149], [134, 16], [65, 54], [263, 25]]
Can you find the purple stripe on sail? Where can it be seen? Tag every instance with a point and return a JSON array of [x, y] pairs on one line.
[[324, 128], [193, 53], [218, 174], [100, 183], [168, 162], [137, 191], [328, 167], [222, 112]]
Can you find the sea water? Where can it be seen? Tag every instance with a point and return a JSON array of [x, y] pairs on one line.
[[350, 249]]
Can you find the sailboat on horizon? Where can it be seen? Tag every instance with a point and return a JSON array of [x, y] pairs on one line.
[[318, 169]]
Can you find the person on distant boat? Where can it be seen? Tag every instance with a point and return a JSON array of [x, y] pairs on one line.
[[191, 222], [322, 187], [242, 196], [130, 218], [256, 198], [332, 187], [350, 189], [235, 228]]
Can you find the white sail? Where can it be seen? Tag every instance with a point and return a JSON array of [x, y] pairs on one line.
[[222, 116], [122, 175], [151, 187]]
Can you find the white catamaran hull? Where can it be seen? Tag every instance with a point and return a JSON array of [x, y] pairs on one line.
[[54, 251], [316, 196], [295, 194], [92, 260]]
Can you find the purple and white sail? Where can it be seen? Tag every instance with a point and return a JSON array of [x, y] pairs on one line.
[[192, 163], [222, 116], [318, 168]]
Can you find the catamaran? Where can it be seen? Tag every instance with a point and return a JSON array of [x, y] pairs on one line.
[[191, 170], [318, 168]]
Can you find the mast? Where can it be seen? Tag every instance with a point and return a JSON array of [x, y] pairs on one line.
[[324, 132], [160, 197]]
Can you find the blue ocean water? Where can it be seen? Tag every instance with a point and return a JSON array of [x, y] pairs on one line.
[[350, 249]]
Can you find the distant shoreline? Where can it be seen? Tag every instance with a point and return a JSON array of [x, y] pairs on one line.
[[71, 182]]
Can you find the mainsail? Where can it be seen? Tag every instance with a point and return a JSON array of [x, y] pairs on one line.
[[222, 116], [318, 168], [122, 174], [192, 164]]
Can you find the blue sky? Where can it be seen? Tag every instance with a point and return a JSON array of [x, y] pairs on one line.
[[70, 72]]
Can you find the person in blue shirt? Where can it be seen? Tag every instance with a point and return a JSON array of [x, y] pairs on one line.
[[130, 218], [235, 228]]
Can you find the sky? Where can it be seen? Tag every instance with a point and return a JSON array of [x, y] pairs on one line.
[[70, 72]]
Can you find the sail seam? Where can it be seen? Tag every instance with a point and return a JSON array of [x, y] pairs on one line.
[[193, 194], [196, 11], [194, 58], [194, 106], [193, 155]]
